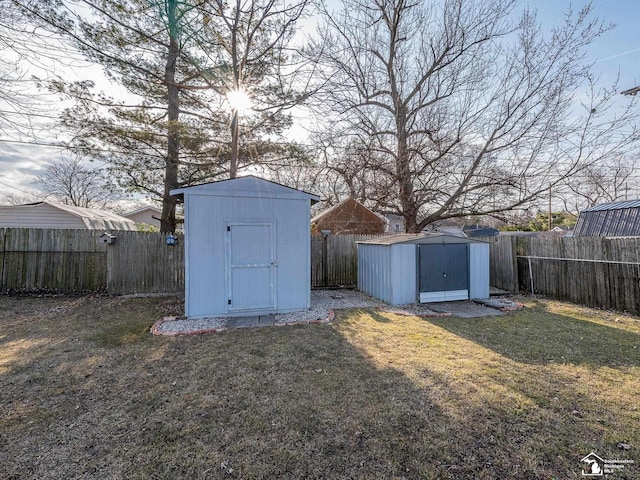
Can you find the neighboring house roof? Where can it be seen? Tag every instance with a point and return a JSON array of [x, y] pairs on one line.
[[153, 210], [418, 238], [249, 186], [477, 231], [446, 229], [615, 219], [519, 233], [149, 215], [49, 214], [348, 216]]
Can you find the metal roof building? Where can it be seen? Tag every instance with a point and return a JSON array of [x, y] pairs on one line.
[[412, 268], [615, 219]]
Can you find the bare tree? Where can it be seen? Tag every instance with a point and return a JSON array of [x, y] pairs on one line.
[[611, 182], [69, 182], [25, 112], [19, 199], [458, 110]]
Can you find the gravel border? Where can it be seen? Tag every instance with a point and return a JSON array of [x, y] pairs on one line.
[[323, 304]]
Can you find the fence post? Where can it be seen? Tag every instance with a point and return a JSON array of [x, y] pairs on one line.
[[325, 257], [514, 265], [3, 278]]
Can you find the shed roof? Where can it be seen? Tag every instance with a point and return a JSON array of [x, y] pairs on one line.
[[249, 186], [418, 238]]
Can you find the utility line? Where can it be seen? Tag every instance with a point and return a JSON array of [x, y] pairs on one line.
[[16, 188]]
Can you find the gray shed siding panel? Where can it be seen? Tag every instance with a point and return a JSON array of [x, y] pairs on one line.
[[374, 271], [388, 272], [204, 256], [478, 270], [293, 254], [206, 251], [403, 274]]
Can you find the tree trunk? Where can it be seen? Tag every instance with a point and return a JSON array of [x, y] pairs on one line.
[[168, 216], [403, 174], [233, 166]]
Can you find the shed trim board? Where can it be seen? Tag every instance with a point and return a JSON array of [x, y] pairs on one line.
[[391, 268], [248, 186]]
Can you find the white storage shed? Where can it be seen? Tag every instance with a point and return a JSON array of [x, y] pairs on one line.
[[420, 268], [247, 248]]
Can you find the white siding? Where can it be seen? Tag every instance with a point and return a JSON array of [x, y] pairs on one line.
[[478, 270], [145, 216], [38, 216]]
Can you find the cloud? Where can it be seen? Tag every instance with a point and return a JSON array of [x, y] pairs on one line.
[[617, 55], [21, 164]]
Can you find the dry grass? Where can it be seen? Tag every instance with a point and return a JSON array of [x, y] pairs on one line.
[[88, 393]]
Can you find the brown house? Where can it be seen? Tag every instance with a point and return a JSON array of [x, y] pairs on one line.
[[348, 217]]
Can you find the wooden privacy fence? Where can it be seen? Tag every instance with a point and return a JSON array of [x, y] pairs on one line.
[[503, 268], [334, 260], [593, 271], [138, 262], [77, 260], [59, 260], [142, 262]]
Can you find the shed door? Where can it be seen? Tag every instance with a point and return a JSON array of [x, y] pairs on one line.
[[443, 272], [251, 266]]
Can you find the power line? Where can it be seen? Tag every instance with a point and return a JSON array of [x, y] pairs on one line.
[[16, 188]]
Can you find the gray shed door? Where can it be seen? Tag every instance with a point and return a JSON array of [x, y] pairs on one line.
[[443, 272], [251, 266]]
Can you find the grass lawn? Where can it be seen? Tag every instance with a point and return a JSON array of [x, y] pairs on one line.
[[86, 392]]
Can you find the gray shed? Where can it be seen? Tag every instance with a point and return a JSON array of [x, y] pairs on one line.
[[247, 248], [420, 268]]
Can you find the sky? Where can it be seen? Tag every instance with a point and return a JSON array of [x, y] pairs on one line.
[[615, 54]]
